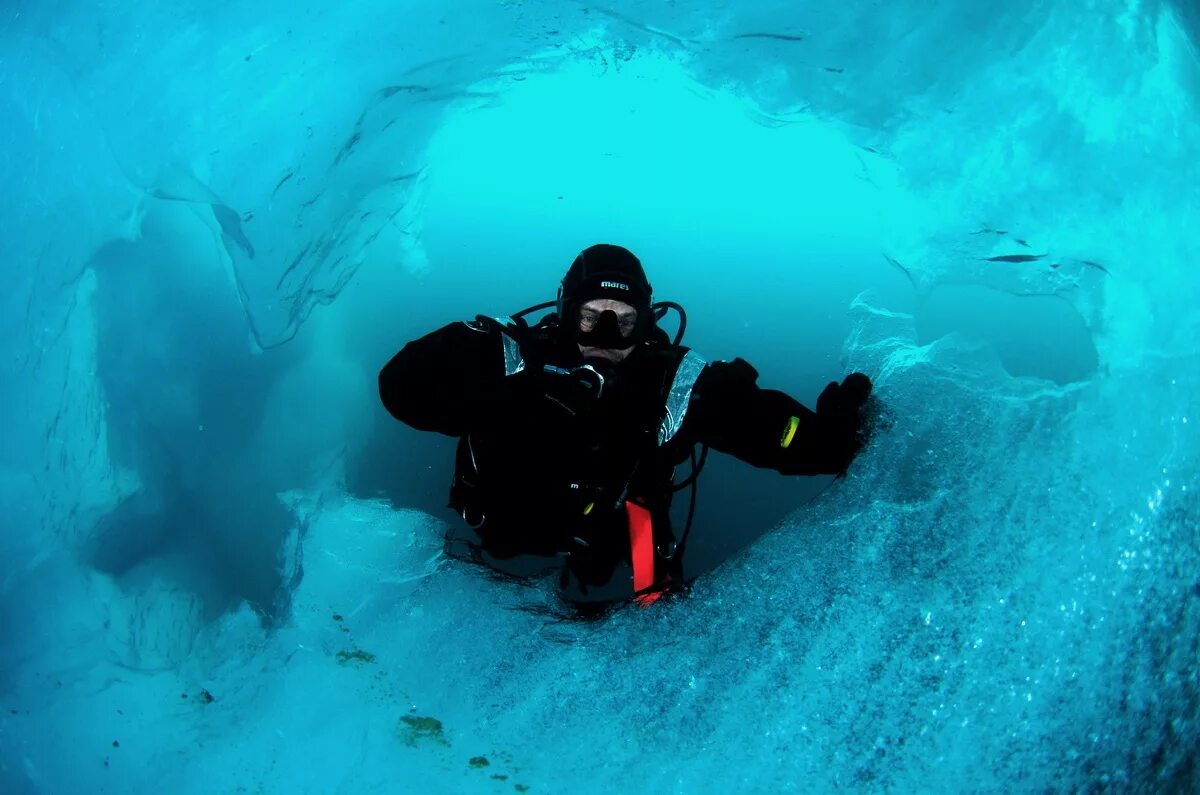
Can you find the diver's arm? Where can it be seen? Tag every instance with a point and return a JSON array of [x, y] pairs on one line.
[[433, 383], [767, 428]]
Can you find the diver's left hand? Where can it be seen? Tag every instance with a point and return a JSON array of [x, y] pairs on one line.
[[844, 408]]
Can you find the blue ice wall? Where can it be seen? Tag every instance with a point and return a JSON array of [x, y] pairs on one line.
[[221, 565]]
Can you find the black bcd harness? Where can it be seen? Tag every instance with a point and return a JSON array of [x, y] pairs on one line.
[[578, 386]]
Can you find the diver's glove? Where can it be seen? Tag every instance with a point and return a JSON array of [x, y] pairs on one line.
[[843, 409], [578, 389]]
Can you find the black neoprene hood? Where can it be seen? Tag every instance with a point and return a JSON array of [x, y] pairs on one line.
[[604, 271]]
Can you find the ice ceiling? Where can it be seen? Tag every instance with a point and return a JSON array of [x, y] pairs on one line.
[[221, 219]]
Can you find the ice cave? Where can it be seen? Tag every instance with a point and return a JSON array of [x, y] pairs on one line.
[[222, 565]]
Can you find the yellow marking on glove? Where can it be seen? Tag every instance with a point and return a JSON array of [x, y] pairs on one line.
[[789, 432], [589, 508]]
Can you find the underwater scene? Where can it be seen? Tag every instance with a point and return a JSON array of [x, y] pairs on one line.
[[224, 565]]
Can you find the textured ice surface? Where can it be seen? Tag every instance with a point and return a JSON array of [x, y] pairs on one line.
[[216, 230]]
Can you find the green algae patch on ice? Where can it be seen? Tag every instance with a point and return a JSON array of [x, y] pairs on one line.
[[414, 730], [355, 657]]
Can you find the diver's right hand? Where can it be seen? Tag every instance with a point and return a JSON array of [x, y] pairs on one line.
[[576, 390]]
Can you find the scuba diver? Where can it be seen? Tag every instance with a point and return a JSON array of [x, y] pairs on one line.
[[571, 431]]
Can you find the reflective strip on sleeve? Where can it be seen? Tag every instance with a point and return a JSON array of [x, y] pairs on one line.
[[789, 432], [680, 395]]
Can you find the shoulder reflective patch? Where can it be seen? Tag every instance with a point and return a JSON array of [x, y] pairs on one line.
[[514, 362], [680, 395]]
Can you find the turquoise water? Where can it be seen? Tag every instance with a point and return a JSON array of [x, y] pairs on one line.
[[221, 565]]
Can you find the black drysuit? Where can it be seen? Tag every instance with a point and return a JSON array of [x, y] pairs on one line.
[[556, 460]]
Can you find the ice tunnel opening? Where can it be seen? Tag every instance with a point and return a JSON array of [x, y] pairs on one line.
[[765, 226]]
